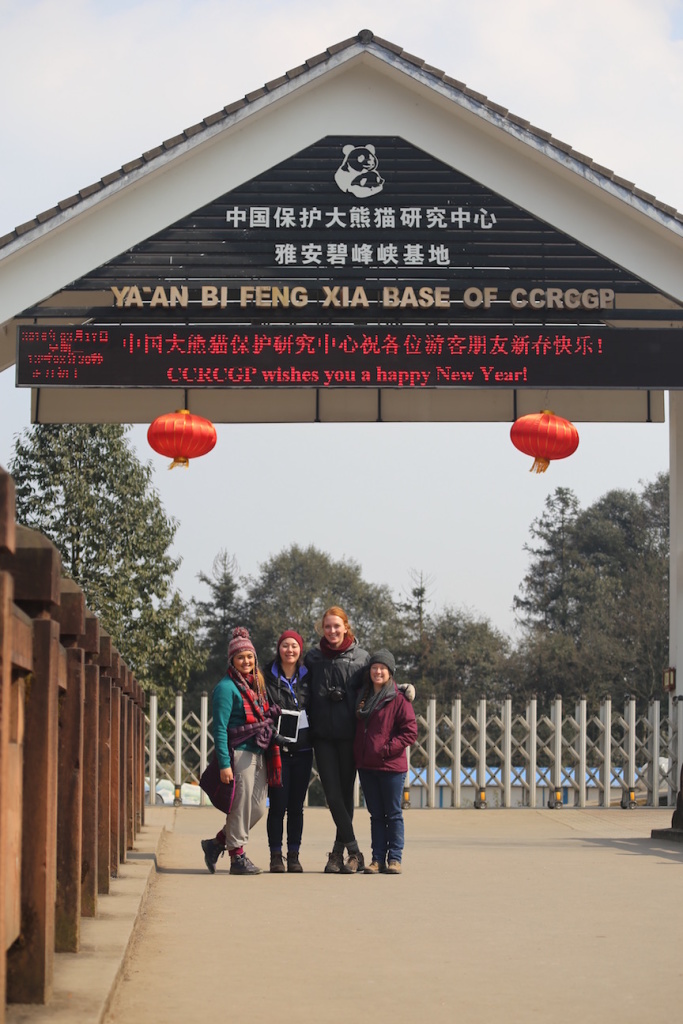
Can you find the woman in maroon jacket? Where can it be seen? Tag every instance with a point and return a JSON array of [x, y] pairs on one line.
[[385, 727]]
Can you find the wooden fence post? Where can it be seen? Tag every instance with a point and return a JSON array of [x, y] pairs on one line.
[[90, 642], [30, 961], [104, 767], [8, 866], [71, 617]]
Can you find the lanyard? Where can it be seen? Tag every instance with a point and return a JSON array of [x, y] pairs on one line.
[[291, 689]]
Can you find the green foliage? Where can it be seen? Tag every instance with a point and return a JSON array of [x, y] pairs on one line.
[[594, 603], [216, 618], [84, 488], [293, 589]]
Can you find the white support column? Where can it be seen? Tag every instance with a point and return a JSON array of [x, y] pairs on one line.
[[153, 721], [606, 770], [178, 751], [507, 752], [676, 538], [532, 749], [480, 799], [456, 750], [431, 752], [582, 740], [673, 751], [203, 742], [679, 738]]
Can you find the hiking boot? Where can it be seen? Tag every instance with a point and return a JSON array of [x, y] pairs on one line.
[[394, 867], [354, 863], [212, 851], [241, 865], [335, 863], [277, 865], [293, 863], [373, 868]]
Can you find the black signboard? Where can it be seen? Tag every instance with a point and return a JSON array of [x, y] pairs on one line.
[[414, 356]]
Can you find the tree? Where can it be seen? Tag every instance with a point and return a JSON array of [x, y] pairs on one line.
[[85, 489], [293, 589], [463, 655], [594, 604], [216, 619]]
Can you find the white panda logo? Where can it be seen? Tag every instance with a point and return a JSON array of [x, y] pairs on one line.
[[358, 171]]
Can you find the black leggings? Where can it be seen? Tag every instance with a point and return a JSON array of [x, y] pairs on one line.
[[337, 770], [289, 799]]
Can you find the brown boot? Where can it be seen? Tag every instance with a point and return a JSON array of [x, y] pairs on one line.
[[293, 863], [277, 865], [335, 863], [355, 862]]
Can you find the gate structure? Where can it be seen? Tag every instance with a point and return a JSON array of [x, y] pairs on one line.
[[366, 239], [489, 757]]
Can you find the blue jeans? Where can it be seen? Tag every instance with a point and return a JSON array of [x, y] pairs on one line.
[[383, 792]]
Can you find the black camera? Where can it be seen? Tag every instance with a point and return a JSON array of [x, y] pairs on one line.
[[336, 695]]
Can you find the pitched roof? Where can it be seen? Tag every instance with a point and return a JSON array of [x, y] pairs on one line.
[[367, 40]]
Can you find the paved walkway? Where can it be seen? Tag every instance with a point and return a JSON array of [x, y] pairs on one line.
[[514, 916]]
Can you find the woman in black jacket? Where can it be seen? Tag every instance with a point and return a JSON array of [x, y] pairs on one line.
[[335, 671], [287, 685]]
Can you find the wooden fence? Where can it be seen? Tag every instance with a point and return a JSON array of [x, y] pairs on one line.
[[71, 760]]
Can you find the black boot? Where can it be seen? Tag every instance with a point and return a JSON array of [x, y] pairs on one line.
[[212, 851], [293, 863]]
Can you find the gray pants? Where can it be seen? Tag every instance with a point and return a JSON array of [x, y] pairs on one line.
[[249, 804]]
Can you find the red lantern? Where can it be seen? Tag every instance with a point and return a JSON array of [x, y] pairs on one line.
[[181, 436], [545, 436]]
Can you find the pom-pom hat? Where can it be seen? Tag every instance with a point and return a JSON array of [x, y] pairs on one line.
[[241, 641]]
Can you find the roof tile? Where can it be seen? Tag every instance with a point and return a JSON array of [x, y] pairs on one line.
[[175, 141], [212, 119]]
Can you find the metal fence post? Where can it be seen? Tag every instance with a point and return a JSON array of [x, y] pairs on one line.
[[581, 763], [456, 750], [507, 752], [431, 752], [153, 771], [480, 799], [178, 753], [555, 800], [606, 750], [628, 796], [532, 749], [655, 716], [203, 741]]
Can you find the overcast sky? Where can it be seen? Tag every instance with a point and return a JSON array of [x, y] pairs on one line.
[[87, 85]]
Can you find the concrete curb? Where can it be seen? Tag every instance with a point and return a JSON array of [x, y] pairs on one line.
[[671, 835], [85, 982]]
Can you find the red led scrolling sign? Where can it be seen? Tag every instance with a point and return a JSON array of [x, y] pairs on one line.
[[411, 356]]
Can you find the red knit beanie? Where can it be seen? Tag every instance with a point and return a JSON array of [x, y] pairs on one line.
[[241, 641], [291, 634]]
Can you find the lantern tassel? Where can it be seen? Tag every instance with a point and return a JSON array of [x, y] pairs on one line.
[[180, 460], [540, 465]]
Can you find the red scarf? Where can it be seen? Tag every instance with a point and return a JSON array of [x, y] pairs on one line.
[[332, 652], [255, 710]]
